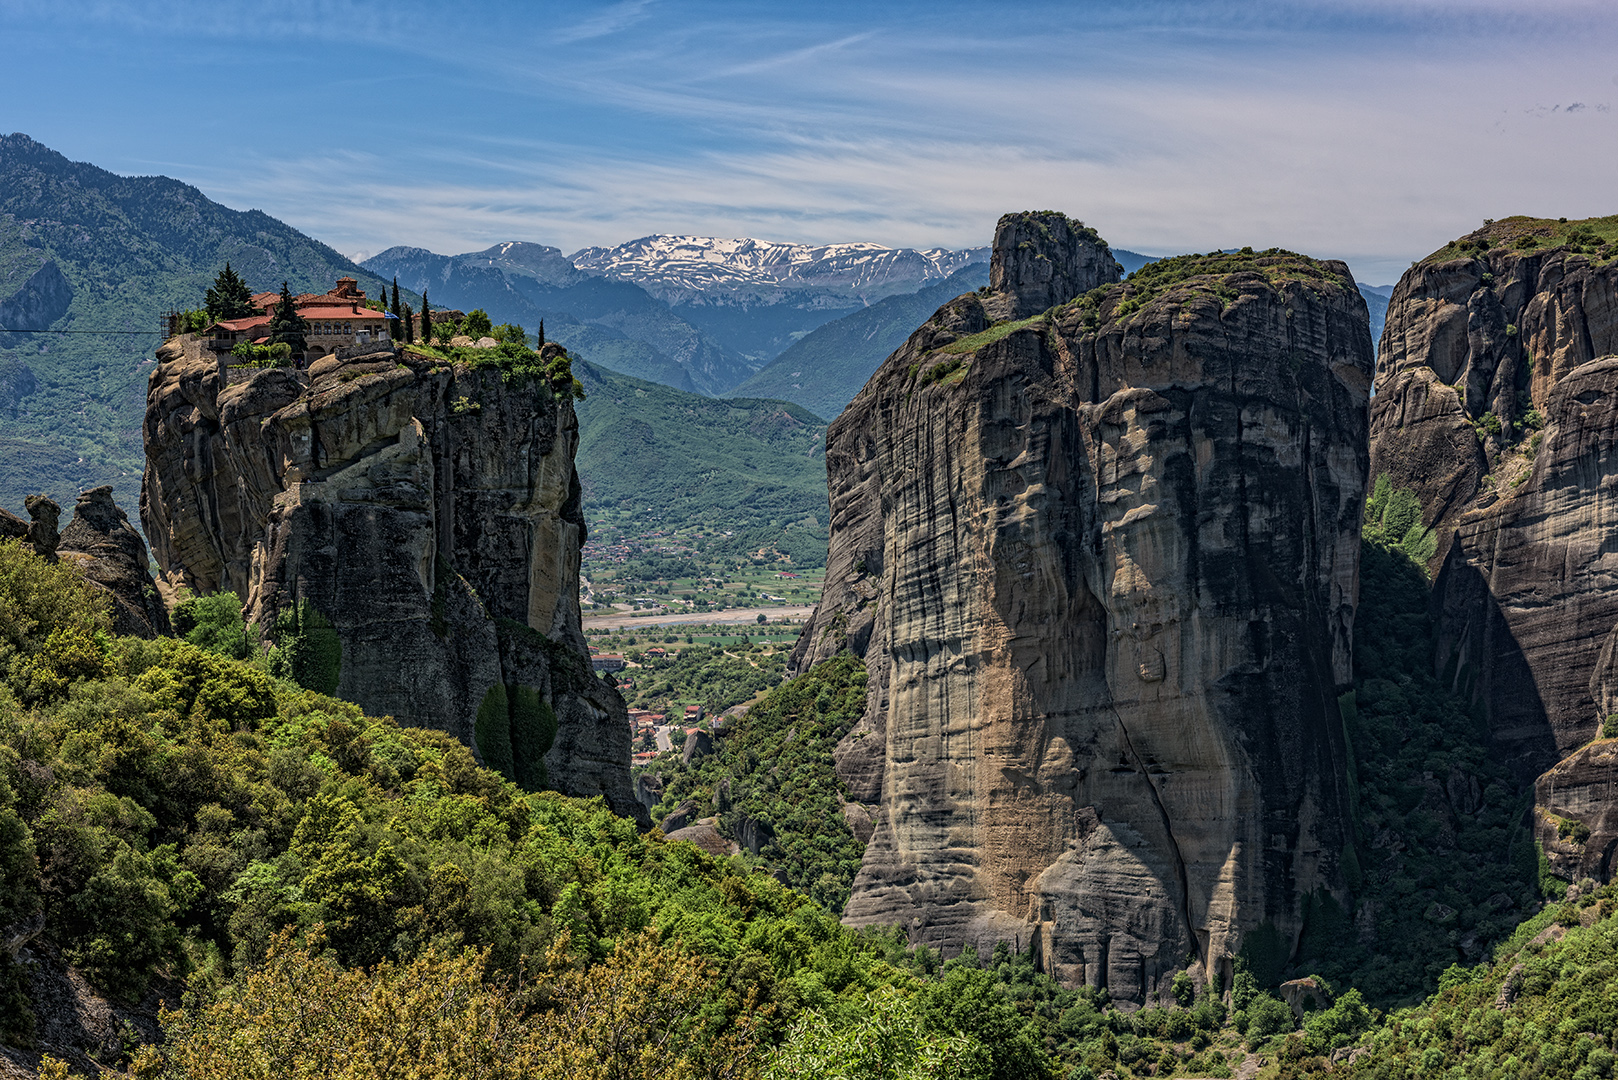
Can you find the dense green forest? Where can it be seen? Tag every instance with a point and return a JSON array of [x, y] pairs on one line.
[[184, 817]]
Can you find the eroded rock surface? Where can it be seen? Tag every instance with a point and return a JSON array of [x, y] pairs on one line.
[[1576, 813], [107, 550], [1102, 571], [1497, 403], [429, 511]]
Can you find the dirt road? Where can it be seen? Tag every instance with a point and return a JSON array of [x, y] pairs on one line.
[[623, 621]]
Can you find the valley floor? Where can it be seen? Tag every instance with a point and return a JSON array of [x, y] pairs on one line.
[[628, 621]]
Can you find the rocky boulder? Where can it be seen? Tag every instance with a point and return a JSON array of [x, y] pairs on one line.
[[1576, 814], [1101, 566]]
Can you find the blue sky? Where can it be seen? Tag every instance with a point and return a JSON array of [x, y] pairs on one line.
[[1360, 129]]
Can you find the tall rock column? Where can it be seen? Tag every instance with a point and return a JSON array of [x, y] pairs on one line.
[[1497, 404], [424, 514], [1101, 566]]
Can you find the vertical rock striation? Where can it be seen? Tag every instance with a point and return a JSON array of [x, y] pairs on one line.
[[1497, 404], [429, 512], [1101, 562]]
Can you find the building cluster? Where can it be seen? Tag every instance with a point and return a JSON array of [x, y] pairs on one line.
[[336, 319]]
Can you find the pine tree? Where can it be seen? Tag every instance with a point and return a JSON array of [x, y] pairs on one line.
[[287, 325], [229, 297]]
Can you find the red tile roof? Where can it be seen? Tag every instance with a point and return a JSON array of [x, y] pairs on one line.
[[238, 325]]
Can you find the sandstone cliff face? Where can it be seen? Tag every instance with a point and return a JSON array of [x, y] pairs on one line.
[[1497, 403], [1101, 567], [429, 511], [1576, 812]]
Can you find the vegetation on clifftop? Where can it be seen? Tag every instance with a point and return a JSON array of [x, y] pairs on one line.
[[1209, 273], [1597, 236]]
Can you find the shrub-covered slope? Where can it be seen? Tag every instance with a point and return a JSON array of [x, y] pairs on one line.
[[773, 786]]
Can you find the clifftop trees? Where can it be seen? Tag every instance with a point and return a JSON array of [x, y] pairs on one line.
[[286, 325], [229, 296]]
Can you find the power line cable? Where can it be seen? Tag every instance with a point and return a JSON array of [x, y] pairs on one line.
[[6, 330]]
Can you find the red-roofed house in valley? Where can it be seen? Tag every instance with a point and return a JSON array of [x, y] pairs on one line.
[[693, 713], [336, 319]]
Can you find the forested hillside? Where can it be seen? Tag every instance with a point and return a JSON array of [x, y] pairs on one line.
[[670, 458], [82, 249]]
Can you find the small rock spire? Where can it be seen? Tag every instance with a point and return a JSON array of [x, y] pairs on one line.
[[1043, 258]]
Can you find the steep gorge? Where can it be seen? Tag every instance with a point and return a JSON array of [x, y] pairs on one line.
[[428, 511], [1099, 556]]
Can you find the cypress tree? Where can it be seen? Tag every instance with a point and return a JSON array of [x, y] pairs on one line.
[[408, 327], [396, 309], [229, 297], [426, 319], [541, 342], [287, 325]]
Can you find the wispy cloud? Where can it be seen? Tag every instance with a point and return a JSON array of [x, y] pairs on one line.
[[617, 18], [1362, 128]]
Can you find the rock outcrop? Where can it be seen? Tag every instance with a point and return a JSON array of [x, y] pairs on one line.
[[1576, 812], [1497, 404], [108, 551], [429, 512], [101, 544], [1100, 562]]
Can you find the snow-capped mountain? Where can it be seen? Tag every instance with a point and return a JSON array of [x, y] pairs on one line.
[[706, 270]]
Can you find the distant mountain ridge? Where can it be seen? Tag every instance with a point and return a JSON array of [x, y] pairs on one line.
[[614, 323], [714, 270], [693, 312], [825, 369]]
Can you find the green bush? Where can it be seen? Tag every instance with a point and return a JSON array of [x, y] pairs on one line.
[[533, 731], [492, 730], [278, 354], [1264, 1017], [214, 623], [477, 325]]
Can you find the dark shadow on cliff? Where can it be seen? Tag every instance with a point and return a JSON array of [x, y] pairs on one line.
[[1481, 660], [1444, 867]]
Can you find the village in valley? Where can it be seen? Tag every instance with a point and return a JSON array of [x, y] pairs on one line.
[[691, 626]]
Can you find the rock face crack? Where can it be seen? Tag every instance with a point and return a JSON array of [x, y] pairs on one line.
[[1168, 830]]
